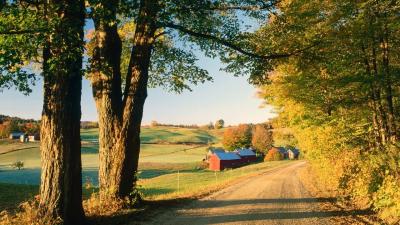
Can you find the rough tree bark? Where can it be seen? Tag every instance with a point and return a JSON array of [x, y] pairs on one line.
[[61, 182], [106, 85], [135, 94], [120, 115]]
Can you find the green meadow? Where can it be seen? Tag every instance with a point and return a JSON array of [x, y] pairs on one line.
[[165, 151], [167, 168], [168, 135]]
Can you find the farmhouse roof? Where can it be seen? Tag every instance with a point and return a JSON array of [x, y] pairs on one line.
[[227, 155], [295, 150], [280, 149], [17, 133], [245, 152]]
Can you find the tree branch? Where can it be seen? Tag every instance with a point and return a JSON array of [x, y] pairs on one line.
[[228, 44], [160, 34], [263, 6]]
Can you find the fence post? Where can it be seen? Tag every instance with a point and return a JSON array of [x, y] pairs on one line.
[[178, 182]]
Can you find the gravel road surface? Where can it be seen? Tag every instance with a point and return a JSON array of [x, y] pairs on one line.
[[273, 197]]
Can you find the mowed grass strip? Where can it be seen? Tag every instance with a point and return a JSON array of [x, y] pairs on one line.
[[192, 183]]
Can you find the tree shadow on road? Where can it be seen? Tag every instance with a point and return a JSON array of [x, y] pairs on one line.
[[265, 216], [223, 203], [153, 208]]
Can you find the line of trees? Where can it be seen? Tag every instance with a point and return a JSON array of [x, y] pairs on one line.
[[157, 124], [257, 136], [14, 124]]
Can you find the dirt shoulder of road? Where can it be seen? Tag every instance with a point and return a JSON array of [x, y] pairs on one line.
[[322, 191]]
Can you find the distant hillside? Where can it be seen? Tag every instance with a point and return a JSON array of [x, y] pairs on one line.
[[168, 135], [4, 118]]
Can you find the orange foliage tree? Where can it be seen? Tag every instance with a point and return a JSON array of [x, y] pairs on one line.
[[237, 137], [262, 138], [273, 155]]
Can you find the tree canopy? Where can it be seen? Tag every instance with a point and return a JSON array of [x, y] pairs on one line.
[[340, 98]]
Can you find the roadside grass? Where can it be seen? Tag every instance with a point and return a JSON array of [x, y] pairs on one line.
[[319, 189], [195, 182]]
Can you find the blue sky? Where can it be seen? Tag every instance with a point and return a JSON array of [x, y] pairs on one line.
[[227, 97]]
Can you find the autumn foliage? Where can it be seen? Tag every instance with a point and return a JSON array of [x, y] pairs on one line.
[[237, 137], [273, 155], [261, 138]]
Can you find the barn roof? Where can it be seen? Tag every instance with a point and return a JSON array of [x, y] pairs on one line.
[[282, 149], [217, 150], [245, 152], [227, 155]]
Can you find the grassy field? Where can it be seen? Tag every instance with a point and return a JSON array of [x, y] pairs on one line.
[[167, 135], [160, 158], [153, 158], [7, 145], [171, 150], [166, 184], [189, 183]]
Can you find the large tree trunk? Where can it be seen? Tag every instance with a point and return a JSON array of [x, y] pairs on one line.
[[106, 84], [378, 120], [61, 179], [120, 116], [128, 144], [388, 84]]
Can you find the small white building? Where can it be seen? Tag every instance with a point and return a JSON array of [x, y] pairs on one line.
[[33, 138], [293, 153], [23, 138]]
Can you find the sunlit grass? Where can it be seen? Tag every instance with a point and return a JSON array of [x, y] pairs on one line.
[[196, 182]]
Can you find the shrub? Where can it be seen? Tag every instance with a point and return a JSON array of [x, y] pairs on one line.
[[387, 200], [273, 155], [18, 165], [219, 124]]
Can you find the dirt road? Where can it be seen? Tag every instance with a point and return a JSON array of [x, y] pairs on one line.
[[275, 197]]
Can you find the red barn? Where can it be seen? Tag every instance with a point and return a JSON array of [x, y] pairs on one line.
[[222, 160], [247, 155]]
